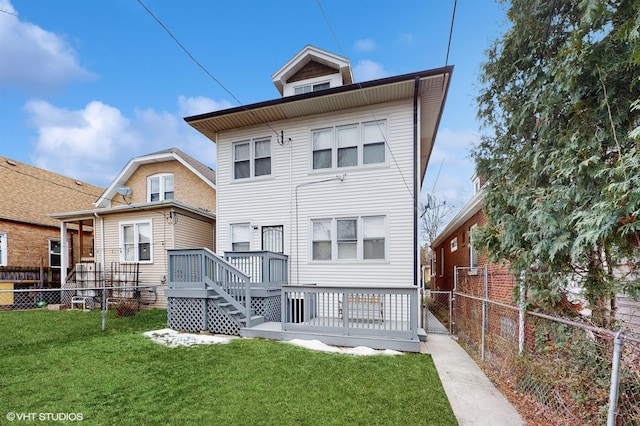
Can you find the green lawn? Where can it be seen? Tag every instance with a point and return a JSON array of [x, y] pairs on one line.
[[60, 362]]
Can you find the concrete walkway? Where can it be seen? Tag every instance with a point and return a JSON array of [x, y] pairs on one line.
[[473, 398]]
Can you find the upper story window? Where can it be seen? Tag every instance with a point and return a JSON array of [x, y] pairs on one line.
[[476, 184], [3, 250], [135, 241], [160, 187], [54, 253], [359, 238], [252, 158], [348, 146], [311, 88]]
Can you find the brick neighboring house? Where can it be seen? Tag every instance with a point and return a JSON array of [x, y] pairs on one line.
[[452, 248], [29, 237]]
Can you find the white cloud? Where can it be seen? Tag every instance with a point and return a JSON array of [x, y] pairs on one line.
[[34, 59], [405, 38], [200, 105], [366, 70], [365, 45], [95, 142]]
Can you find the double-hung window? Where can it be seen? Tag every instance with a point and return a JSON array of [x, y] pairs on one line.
[[252, 158], [360, 238], [160, 187], [54, 253], [240, 237], [3, 250], [473, 253], [311, 88], [352, 145], [373, 144], [135, 241]]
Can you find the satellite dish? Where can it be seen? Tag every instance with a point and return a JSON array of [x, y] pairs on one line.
[[124, 190]]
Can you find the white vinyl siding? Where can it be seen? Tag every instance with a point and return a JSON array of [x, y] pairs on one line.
[[252, 158], [295, 197]]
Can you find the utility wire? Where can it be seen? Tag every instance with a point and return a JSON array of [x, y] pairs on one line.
[[453, 18], [164, 27], [364, 95]]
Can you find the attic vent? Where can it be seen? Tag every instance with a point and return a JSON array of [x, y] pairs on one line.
[[11, 162], [78, 183]]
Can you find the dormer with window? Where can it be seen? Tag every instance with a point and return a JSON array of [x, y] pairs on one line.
[[312, 70], [160, 187]]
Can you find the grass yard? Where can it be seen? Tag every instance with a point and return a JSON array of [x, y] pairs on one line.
[[61, 362]]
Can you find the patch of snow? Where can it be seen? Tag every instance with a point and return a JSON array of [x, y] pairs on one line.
[[316, 345], [173, 339]]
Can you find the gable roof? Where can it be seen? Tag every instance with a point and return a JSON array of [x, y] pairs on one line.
[[29, 194], [468, 210], [204, 172], [312, 54], [431, 86]]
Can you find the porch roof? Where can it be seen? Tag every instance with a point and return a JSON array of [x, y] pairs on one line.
[[432, 90], [90, 214]]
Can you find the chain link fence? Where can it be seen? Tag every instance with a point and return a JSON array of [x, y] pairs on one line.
[[555, 371]]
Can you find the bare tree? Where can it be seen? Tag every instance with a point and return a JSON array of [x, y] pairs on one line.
[[433, 216]]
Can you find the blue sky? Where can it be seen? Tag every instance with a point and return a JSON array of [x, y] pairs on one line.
[[87, 85]]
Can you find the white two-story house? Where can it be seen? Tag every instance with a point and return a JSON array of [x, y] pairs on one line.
[[330, 174]]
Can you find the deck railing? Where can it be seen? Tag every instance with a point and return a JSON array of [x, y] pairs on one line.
[[390, 312], [266, 268]]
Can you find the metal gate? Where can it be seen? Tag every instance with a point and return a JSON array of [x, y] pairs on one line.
[[437, 312]]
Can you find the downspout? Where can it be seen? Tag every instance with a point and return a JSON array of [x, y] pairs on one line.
[[416, 166]]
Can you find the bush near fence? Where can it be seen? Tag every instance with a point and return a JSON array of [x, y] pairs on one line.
[[563, 374]]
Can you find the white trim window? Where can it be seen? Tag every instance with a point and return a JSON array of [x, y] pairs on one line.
[[454, 244], [473, 253], [135, 242], [54, 253], [160, 187], [241, 237], [360, 238], [312, 88], [252, 158], [3, 249], [353, 145]]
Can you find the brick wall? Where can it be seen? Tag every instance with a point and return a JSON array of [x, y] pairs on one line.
[[28, 245]]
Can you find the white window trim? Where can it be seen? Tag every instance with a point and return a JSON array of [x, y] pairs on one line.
[[54, 240], [311, 85], [359, 242], [472, 251], [161, 177], [252, 159], [121, 226], [4, 256], [454, 244], [360, 146], [240, 224]]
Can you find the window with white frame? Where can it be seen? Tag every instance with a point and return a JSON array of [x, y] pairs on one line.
[[358, 144], [473, 253], [454, 244], [3, 249], [241, 237], [311, 88], [252, 158], [359, 238], [135, 241], [54, 253], [160, 187], [442, 261]]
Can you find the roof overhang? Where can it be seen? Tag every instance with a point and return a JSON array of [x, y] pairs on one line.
[[432, 92], [155, 205], [471, 208]]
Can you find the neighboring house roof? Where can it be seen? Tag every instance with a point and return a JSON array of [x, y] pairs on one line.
[[29, 194], [431, 86], [129, 207], [312, 54], [471, 208], [206, 173]]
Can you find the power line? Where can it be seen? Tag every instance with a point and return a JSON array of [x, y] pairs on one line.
[[175, 39], [8, 12], [453, 18]]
